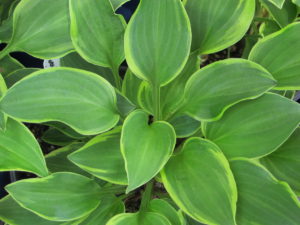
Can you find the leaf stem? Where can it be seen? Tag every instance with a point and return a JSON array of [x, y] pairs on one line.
[[156, 102], [117, 77], [5, 52], [147, 196]]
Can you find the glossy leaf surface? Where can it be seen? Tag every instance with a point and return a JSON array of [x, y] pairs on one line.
[[213, 89], [148, 218], [145, 148], [102, 157], [58, 197], [284, 162], [251, 129], [56, 94], [262, 199], [99, 40], [200, 182], [34, 28], [19, 150], [274, 53], [211, 20], [154, 50]]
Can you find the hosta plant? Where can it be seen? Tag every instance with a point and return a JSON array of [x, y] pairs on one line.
[[174, 141]]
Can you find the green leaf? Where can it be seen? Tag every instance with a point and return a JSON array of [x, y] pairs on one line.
[[12, 213], [125, 106], [56, 137], [155, 51], [117, 3], [109, 164], [164, 208], [6, 30], [283, 16], [254, 128], [39, 32], [200, 182], [297, 2], [19, 150], [130, 87], [58, 197], [284, 162], [57, 160], [65, 130], [99, 40], [277, 60], [148, 218], [145, 148], [215, 88], [17, 75], [8, 65], [3, 117], [263, 200], [217, 25], [74, 60], [268, 27], [57, 94], [277, 3], [184, 125], [109, 207]]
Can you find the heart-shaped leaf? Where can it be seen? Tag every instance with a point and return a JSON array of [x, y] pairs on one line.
[[145, 148], [284, 162], [109, 163], [148, 218], [99, 40], [19, 150], [154, 50], [41, 28], [254, 128], [213, 89], [263, 200], [58, 197], [83, 100], [211, 20], [200, 182], [274, 53]]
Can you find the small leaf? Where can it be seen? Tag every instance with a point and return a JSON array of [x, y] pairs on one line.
[[164, 208], [65, 130], [284, 162], [184, 125], [212, 90], [109, 164], [217, 25], [200, 182], [117, 3], [277, 3], [145, 148], [109, 207], [6, 30], [8, 65], [19, 150], [154, 50], [148, 218], [254, 128], [43, 196], [277, 60], [262, 199], [55, 137], [130, 87], [61, 94], [125, 106], [268, 27], [99, 40], [48, 36], [284, 15], [17, 75], [12, 213]]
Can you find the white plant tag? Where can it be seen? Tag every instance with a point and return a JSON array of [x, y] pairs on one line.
[[51, 63]]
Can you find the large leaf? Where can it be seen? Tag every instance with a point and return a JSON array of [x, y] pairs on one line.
[[274, 53], [102, 157], [145, 148], [109, 207], [41, 28], [58, 197], [157, 41], [255, 128], [148, 218], [83, 100], [19, 150], [212, 90], [283, 16], [263, 200], [216, 25], [284, 163], [97, 32], [200, 182]]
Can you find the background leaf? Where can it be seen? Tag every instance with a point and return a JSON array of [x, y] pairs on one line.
[[8, 65], [117, 3], [17, 75]]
